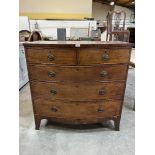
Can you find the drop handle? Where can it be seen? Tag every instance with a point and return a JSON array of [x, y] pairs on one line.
[[105, 57], [53, 91], [51, 74], [102, 92], [51, 57], [54, 109], [100, 109], [103, 73]]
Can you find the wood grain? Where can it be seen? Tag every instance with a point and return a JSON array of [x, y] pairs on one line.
[[77, 109], [61, 56], [77, 91], [89, 56], [77, 73]]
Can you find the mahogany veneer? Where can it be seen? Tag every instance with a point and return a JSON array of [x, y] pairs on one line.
[[77, 82]]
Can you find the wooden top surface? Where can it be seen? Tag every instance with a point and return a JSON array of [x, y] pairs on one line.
[[78, 43]]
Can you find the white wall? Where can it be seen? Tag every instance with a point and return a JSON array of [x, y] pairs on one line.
[[100, 11], [48, 28], [24, 23]]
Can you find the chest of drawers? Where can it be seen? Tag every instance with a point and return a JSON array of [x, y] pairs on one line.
[[77, 82]]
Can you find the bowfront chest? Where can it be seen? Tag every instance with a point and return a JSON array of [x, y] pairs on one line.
[[77, 82]]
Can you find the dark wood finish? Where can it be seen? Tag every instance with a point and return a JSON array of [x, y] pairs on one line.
[[117, 123], [37, 119], [132, 35], [94, 56], [81, 85], [52, 73], [77, 109], [51, 56], [78, 91], [35, 36]]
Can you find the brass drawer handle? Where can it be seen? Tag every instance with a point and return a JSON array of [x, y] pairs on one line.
[[51, 74], [54, 109], [102, 92], [105, 57], [100, 109], [53, 91], [51, 57], [103, 73]]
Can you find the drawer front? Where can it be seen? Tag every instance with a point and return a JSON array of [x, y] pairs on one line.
[[77, 73], [77, 109], [103, 56], [77, 91], [51, 56]]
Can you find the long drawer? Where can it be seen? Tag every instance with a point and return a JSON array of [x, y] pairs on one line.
[[51, 56], [77, 73], [77, 91], [77, 109], [88, 56]]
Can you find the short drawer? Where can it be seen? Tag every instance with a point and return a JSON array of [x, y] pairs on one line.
[[89, 56], [77, 73], [51, 56], [77, 109], [77, 91]]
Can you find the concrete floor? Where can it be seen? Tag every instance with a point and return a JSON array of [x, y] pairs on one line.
[[53, 139]]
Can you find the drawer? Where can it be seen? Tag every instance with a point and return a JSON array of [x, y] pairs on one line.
[[77, 109], [77, 91], [51, 56], [89, 56], [77, 73]]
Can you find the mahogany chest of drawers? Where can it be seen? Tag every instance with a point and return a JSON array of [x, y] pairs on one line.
[[77, 82]]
